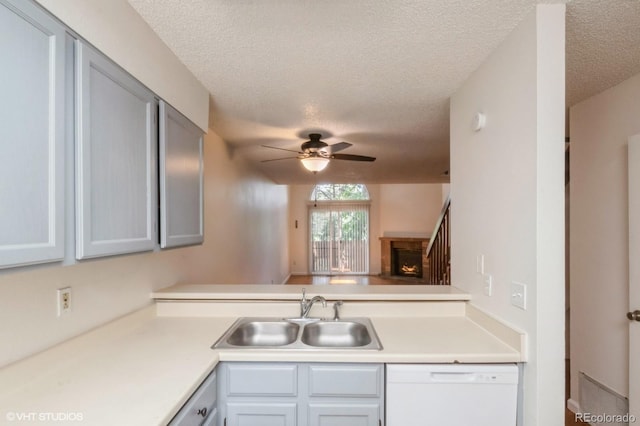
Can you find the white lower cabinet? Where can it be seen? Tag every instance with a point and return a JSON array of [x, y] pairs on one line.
[[300, 394]]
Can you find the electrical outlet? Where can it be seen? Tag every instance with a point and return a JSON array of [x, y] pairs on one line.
[[487, 279], [519, 295], [64, 301]]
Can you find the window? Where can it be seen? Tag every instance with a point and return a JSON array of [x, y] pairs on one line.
[[340, 192], [339, 234]]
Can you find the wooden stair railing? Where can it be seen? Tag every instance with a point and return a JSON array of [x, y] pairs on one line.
[[439, 249]]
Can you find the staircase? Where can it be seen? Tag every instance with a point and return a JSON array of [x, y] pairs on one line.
[[439, 249]]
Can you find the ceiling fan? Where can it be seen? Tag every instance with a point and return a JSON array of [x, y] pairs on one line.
[[315, 154]]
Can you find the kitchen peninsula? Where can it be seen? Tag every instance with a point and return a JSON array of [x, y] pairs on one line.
[[141, 369]]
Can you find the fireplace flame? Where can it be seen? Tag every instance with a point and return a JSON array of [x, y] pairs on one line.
[[410, 269]]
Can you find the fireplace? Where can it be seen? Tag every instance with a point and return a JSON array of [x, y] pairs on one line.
[[406, 263], [404, 257]]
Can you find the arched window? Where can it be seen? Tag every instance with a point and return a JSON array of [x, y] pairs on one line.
[[339, 229], [340, 192]]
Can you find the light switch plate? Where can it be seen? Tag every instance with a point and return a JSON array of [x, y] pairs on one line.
[[519, 295], [487, 279]]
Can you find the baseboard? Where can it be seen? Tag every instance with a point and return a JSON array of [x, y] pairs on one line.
[[286, 279], [573, 406]]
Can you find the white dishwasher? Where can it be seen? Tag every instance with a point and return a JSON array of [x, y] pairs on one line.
[[452, 394]]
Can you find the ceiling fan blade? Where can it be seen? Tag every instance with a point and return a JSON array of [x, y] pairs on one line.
[[339, 146], [281, 149], [351, 157], [278, 159]]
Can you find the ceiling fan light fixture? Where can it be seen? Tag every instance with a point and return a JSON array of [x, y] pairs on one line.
[[315, 164]]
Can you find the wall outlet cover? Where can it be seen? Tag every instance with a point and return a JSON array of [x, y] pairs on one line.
[[64, 301], [487, 280], [519, 295]]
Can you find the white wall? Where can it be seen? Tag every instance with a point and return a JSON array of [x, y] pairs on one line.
[[116, 29], [507, 190], [600, 127], [396, 209]]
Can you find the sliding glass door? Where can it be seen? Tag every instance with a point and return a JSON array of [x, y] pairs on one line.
[[339, 238]]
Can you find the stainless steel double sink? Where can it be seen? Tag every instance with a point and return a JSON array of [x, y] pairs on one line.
[[300, 334]]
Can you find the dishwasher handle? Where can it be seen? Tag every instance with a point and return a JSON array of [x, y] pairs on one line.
[[453, 377]]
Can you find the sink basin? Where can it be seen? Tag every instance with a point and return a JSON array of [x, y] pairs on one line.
[[264, 333], [300, 334], [336, 334]]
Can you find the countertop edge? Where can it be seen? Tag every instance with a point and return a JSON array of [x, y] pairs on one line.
[[397, 292]]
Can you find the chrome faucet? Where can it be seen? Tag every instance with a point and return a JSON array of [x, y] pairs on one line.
[[305, 305], [336, 314]]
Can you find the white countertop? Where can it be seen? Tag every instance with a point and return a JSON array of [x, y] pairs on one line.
[[293, 292], [131, 371], [140, 369]]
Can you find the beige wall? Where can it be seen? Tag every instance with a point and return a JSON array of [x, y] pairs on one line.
[[507, 190], [245, 242], [116, 29], [396, 209], [409, 210], [600, 127]]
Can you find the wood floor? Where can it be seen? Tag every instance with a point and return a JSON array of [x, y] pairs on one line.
[[346, 279], [569, 418]]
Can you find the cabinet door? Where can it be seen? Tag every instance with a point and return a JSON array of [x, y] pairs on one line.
[[261, 414], [201, 408], [339, 414], [181, 204], [212, 419], [32, 133], [116, 157]]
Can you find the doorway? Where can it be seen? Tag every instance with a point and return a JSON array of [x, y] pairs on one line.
[[339, 229]]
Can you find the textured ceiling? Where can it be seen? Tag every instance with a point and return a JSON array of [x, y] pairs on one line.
[[603, 45], [376, 74]]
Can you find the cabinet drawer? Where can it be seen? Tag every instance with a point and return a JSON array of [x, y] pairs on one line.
[[356, 380], [200, 405], [339, 414], [271, 379], [258, 414]]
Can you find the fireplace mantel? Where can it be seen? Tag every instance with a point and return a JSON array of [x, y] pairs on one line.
[[388, 244]]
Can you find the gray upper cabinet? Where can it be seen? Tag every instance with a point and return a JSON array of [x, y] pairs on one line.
[[181, 184], [116, 159], [32, 135]]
